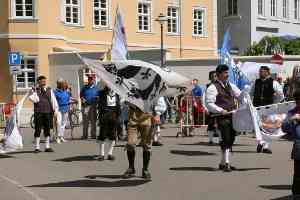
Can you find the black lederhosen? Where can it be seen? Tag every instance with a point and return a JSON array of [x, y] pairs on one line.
[[211, 123], [42, 121], [296, 178], [227, 131], [108, 125]]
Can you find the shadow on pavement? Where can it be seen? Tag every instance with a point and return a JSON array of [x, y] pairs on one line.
[[104, 176], [77, 158], [284, 198], [192, 153], [244, 151], [19, 152], [276, 187], [211, 169], [207, 144], [93, 183], [5, 156]]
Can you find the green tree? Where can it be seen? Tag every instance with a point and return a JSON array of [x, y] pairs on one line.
[[292, 47]]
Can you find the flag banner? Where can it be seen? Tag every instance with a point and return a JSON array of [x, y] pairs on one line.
[[236, 76], [139, 83], [251, 69], [12, 138], [265, 121], [119, 42]]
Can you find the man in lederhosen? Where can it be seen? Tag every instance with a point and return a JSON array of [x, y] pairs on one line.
[[220, 99], [109, 109], [45, 105], [264, 90]]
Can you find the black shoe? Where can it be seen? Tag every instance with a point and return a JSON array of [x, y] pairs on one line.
[[100, 158], [157, 143], [259, 148], [146, 175], [129, 173], [268, 151], [222, 167], [227, 168], [49, 150], [111, 158], [210, 142], [37, 151]]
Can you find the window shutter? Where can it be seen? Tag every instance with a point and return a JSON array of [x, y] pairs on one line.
[[62, 11]]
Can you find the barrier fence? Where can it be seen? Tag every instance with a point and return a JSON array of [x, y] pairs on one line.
[[5, 112], [191, 114]]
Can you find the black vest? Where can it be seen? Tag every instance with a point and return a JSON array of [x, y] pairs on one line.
[[44, 105], [263, 92], [225, 97]]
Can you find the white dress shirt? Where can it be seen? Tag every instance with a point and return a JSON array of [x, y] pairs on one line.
[[211, 96]]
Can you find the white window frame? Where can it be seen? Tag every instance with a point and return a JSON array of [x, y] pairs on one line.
[[285, 9], [262, 8], [107, 9], [79, 6], [232, 8], [273, 6], [296, 10], [14, 11], [203, 20], [149, 15], [25, 70], [171, 18]]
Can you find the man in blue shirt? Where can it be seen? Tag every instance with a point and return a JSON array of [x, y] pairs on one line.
[[196, 91], [88, 96]]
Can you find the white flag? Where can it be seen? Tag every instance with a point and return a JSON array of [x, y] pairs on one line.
[[119, 43]]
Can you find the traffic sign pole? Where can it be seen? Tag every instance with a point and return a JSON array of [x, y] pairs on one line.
[[14, 60]]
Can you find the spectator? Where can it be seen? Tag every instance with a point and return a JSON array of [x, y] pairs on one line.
[[63, 97], [197, 102], [88, 95]]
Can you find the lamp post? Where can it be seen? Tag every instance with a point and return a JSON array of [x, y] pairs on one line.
[[161, 19]]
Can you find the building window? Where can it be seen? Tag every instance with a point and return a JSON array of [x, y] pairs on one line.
[[273, 8], [23, 9], [26, 79], [285, 9], [173, 20], [296, 9], [198, 21], [101, 13], [72, 11], [232, 7], [261, 7], [144, 16]]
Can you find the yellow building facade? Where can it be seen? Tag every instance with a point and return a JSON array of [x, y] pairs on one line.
[[36, 28]]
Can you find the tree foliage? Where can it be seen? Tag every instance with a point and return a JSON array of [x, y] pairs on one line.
[[267, 46]]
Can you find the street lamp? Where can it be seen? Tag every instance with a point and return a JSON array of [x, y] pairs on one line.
[[161, 19]]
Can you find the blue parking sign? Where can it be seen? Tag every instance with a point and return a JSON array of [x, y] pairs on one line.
[[14, 58]]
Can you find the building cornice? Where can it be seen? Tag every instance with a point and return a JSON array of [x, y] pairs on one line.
[[91, 42]]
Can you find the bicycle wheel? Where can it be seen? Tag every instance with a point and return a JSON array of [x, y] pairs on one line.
[[32, 121], [74, 119]]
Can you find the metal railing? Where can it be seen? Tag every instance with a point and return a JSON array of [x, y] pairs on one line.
[[191, 113]]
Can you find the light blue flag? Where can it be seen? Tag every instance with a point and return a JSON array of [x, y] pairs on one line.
[[236, 76]]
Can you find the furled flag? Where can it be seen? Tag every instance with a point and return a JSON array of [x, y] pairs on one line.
[[236, 76], [119, 43]]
